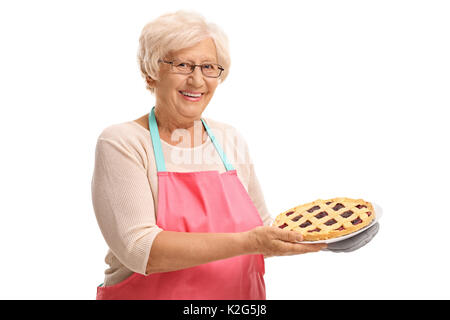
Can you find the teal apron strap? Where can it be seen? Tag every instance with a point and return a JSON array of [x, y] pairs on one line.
[[157, 148], [222, 155], [156, 141]]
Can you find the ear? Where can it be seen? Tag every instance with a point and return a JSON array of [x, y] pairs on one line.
[[150, 81]]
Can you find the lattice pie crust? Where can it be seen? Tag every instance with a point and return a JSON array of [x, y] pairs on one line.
[[326, 219]]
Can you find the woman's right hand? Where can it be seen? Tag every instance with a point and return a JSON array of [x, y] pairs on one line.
[[273, 241]]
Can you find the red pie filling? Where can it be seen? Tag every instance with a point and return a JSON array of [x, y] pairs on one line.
[[313, 209], [338, 206], [305, 224], [357, 221], [315, 230], [289, 213], [330, 222], [284, 225], [297, 218], [347, 214], [321, 215]]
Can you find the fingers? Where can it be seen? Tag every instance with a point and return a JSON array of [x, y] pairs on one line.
[[273, 241], [292, 236], [286, 235]]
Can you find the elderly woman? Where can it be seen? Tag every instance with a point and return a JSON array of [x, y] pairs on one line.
[[179, 228]]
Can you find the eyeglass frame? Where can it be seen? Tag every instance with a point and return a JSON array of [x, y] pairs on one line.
[[193, 66]]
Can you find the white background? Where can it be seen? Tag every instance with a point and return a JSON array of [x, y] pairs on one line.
[[335, 98]]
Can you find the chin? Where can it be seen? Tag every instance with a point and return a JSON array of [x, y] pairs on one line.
[[191, 110]]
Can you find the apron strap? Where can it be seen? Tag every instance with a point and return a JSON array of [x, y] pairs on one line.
[[222, 155], [156, 141], [157, 148]]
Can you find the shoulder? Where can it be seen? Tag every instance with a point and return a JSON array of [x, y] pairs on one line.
[[125, 138], [232, 140], [224, 131], [123, 131]]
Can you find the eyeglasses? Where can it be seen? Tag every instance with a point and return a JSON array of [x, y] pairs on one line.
[[210, 70]]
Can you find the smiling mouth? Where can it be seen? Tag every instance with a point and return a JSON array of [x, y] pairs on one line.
[[191, 94]]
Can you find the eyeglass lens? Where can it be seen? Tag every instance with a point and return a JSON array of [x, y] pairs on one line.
[[208, 69]]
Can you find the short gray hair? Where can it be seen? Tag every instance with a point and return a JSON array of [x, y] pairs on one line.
[[176, 31]]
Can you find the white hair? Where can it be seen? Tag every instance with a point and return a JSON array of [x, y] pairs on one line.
[[176, 31]]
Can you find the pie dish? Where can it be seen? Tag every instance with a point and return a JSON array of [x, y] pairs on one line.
[[327, 219]]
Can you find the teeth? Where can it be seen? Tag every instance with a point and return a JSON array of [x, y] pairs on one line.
[[191, 94]]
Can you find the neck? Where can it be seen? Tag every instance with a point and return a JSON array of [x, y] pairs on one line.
[[178, 130]]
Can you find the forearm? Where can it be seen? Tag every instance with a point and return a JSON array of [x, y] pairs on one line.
[[179, 250]]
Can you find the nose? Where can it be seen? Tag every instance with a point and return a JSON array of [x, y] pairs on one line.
[[196, 77]]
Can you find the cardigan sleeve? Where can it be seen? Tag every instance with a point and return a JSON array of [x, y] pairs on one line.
[[256, 194], [123, 202]]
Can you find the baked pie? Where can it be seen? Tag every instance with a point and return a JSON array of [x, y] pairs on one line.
[[326, 219]]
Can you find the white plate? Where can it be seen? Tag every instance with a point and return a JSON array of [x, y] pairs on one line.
[[378, 214]]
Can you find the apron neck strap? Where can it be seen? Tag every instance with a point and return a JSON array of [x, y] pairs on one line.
[[157, 148]]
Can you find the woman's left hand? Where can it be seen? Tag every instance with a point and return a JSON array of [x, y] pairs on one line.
[[273, 241]]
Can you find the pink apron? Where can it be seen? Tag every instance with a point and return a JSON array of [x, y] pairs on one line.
[[203, 201]]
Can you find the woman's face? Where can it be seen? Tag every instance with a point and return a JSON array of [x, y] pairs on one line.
[[168, 90]]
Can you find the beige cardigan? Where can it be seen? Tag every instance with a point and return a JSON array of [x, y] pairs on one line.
[[125, 187]]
